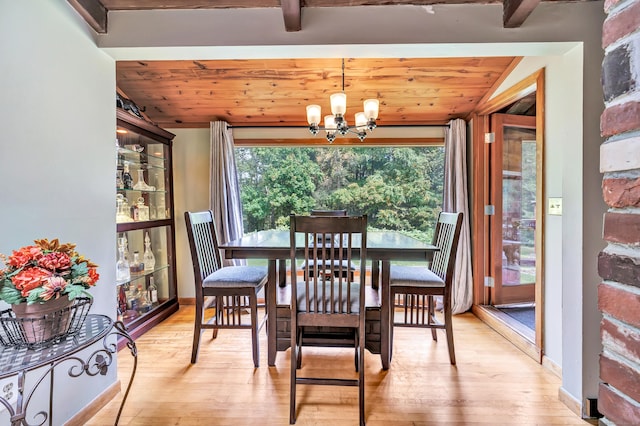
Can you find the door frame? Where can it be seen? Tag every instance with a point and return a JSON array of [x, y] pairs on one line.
[[480, 224]]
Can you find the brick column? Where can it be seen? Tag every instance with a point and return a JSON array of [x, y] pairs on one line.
[[619, 262]]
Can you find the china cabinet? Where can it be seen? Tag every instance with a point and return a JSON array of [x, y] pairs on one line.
[[145, 267]]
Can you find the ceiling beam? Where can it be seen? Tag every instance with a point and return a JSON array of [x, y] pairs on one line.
[[93, 12], [515, 12], [291, 14]]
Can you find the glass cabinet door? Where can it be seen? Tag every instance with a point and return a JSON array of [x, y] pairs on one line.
[[141, 179], [143, 272], [145, 264]]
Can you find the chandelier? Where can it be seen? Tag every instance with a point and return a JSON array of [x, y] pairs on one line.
[[337, 123]]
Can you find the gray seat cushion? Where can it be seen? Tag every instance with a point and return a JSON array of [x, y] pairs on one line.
[[355, 297], [237, 276], [419, 276]]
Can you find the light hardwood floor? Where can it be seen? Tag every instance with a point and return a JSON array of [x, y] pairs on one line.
[[493, 384]]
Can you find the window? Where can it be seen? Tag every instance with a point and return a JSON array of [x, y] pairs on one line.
[[399, 188]]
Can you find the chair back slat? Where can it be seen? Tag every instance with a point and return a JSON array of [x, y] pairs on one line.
[[446, 236], [203, 242], [329, 244]]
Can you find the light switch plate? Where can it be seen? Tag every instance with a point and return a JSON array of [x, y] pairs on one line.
[[555, 206]]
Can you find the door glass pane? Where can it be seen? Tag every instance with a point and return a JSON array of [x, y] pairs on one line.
[[518, 207]]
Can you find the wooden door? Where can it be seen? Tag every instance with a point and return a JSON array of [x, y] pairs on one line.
[[513, 194]]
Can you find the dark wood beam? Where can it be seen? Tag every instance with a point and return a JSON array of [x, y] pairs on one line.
[[93, 12], [291, 13], [515, 12]]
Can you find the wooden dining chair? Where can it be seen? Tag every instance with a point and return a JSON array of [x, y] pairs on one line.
[[419, 285], [349, 268], [233, 289], [327, 300]]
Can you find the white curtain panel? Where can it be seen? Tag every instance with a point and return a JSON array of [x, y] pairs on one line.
[[456, 200], [224, 189]]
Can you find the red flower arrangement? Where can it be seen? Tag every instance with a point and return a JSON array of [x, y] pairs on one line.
[[45, 271]]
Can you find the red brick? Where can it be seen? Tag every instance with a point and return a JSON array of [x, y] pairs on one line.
[[620, 118], [621, 24], [621, 376], [622, 228], [620, 268], [616, 408], [620, 304], [621, 192], [624, 341]]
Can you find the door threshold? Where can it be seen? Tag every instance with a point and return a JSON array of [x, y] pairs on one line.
[[512, 330]]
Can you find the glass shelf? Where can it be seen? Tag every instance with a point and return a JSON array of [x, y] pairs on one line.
[[139, 156], [145, 191], [142, 276]]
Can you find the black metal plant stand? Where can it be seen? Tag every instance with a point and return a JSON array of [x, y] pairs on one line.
[[18, 361]]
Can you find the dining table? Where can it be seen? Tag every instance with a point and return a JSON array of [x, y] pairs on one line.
[[382, 247]]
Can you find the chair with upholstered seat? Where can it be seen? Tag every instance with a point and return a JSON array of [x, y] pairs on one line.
[[327, 300], [419, 285], [233, 289]]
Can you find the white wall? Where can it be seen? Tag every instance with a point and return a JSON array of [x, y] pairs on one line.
[[562, 234], [57, 156], [191, 193]]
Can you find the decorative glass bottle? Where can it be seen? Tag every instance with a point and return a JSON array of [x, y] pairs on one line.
[[136, 267], [148, 258], [141, 185], [143, 302], [127, 180], [143, 211], [122, 210], [122, 265], [152, 292]]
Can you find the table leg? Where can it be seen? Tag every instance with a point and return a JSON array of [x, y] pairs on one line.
[[386, 310], [271, 313]]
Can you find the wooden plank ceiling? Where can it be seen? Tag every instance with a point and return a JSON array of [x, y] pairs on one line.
[[275, 92]]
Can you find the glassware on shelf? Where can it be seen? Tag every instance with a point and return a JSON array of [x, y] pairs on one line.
[[123, 272], [122, 241], [152, 292], [141, 185], [122, 210], [133, 297], [136, 267], [143, 302], [148, 258], [127, 180], [119, 181], [143, 211]]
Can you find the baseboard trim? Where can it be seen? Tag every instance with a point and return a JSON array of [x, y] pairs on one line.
[[552, 366], [91, 409], [572, 403], [186, 300]]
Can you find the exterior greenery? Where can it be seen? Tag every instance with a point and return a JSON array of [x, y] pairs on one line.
[[398, 188]]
